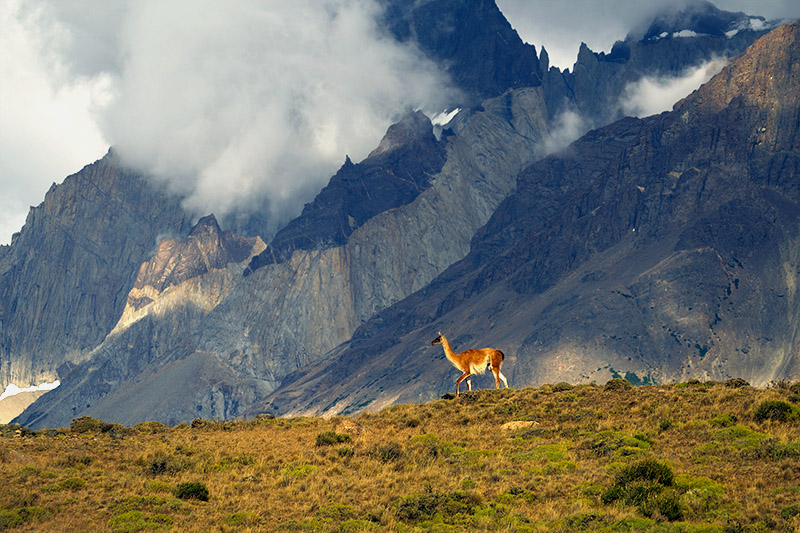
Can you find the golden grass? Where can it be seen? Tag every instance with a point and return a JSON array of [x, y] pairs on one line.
[[450, 465]]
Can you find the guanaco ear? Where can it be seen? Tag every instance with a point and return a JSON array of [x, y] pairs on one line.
[[439, 333]]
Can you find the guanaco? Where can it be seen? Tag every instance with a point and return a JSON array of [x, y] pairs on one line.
[[473, 362]]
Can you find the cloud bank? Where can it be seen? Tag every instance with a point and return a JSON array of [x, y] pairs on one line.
[[236, 105], [655, 94], [48, 112]]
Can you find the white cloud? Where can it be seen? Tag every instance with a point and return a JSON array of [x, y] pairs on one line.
[[49, 130], [233, 103], [567, 127], [650, 95]]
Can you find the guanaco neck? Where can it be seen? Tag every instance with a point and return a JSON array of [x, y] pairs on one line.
[[448, 351]]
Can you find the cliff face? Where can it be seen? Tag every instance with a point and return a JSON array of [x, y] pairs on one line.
[[655, 249], [65, 278]]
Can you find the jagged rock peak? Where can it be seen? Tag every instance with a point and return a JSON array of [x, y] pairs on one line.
[[206, 247], [413, 126], [696, 17]]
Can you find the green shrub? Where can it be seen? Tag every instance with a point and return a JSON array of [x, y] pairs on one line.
[[562, 386], [85, 424], [618, 384], [337, 511], [642, 484], [12, 518], [724, 421], [73, 483], [775, 410], [419, 507], [791, 511], [192, 490], [242, 519], [386, 453], [165, 464], [664, 504], [150, 427], [331, 438], [736, 383]]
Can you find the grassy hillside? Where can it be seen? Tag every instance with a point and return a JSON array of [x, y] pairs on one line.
[[685, 457]]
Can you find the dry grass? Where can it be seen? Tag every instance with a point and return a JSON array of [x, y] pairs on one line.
[[450, 465]]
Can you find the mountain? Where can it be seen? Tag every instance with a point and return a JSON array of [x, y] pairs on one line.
[[214, 345], [65, 277], [471, 40], [599, 81], [654, 249], [203, 322]]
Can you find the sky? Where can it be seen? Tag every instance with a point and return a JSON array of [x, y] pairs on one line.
[[234, 103]]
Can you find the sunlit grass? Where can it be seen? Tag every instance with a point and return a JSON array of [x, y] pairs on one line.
[[569, 462]]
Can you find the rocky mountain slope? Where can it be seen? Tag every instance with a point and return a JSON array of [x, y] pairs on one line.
[[655, 249], [65, 277], [184, 333]]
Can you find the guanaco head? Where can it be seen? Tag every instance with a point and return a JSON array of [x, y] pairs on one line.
[[437, 340]]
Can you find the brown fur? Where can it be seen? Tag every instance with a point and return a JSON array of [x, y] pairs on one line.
[[472, 362]]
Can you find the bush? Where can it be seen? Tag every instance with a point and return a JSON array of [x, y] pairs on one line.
[[242, 519], [88, 424], [618, 384], [724, 421], [419, 507], [665, 504], [150, 427], [387, 452], [73, 483], [775, 410], [165, 464], [562, 386], [643, 484], [13, 518], [331, 438], [192, 490], [736, 383], [85, 424]]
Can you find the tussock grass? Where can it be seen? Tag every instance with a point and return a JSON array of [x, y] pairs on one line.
[[685, 457]]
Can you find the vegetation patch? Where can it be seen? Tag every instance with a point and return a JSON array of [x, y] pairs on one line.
[[776, 411], [13, 518], [645, 484], [191, 490], [579, 464], [618, 385], [331, 438]]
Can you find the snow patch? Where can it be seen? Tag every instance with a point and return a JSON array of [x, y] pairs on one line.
[[13, 390], [444, 118]]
